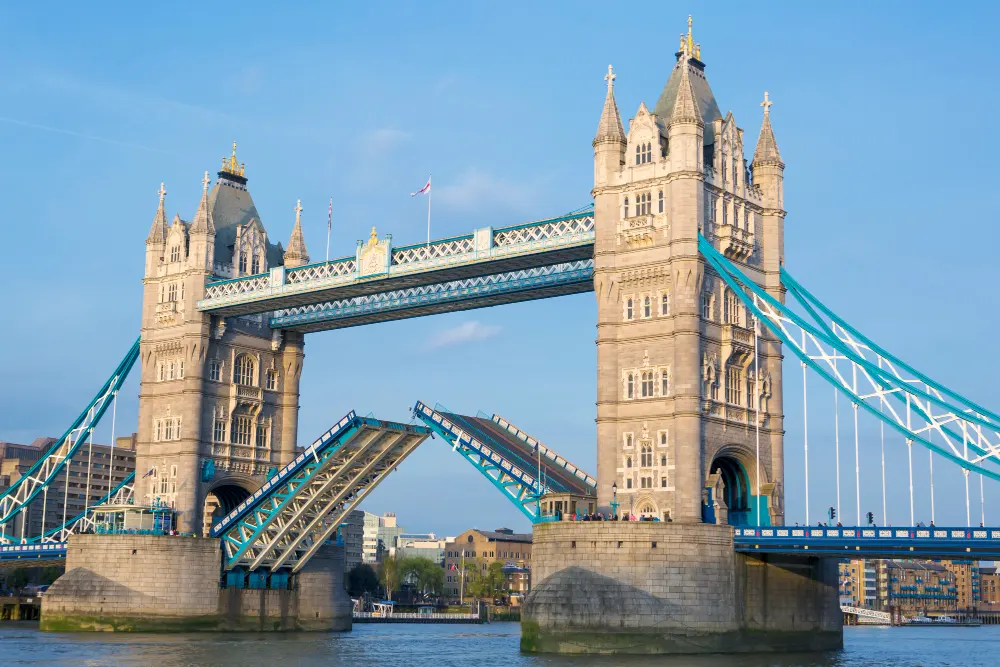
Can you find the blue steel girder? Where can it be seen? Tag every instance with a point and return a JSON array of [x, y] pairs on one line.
[[466, 294], [38, 554], [874, 381], [551, 458], [84, 521], [872, 541], [284, 524], [486, 251], [520, 486], [44, 471]]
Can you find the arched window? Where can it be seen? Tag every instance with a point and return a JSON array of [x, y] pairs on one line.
[[646, 456], [647, 307], [245, 370], [664, 382], [628, 461], [243, 261], [175, 253], [661, 201], [628, 309], [664, 304], [628, 439], [626, 207], [647, 384], [255, 266], [647, 155], [631, 389], [663, 460], [638, 154]]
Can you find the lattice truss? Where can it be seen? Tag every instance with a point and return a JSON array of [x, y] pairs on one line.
[[343, 268], [123, 494], [436, 250], [456, 290], [581, 223], [38, 478], [286, 524], [237, 286], [921, 409], [521, 487]]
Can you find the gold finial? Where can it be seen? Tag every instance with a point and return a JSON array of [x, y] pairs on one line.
[[373, 239], [697, 51], [231, 166], [766, 104], [683, 43], [690, 38], [205, 181], [162, 192]]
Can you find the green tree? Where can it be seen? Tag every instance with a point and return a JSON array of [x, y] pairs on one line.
[[488, 583], [361, 579], [388, 575], [422, 573]]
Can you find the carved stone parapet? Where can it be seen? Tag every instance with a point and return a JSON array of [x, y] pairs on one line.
[[735, 242], [637, 232], [737, 345]]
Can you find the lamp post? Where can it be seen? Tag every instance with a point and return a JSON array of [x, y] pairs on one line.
[[614, 498]]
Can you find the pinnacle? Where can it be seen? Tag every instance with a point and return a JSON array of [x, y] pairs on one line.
[[686, 106], [610, 127], [296, 254], [202, 223], [158, 230], [767, 145]]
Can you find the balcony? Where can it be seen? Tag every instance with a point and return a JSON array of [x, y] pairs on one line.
[[637, 232], [737, 345], [166, 312], [734, 242]]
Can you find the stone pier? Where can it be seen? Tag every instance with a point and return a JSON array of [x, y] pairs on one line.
[[147, 583], [654, 587]]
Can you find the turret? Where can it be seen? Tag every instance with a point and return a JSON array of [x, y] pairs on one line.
[[157, 239], [296, 255], [202, 232], [609, 143], [685, 127], [769, 176]]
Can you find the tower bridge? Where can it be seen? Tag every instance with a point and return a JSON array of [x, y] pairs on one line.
[[683, 247]]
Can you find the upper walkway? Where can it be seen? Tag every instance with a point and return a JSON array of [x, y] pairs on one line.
[[378, 268], [872, 542]]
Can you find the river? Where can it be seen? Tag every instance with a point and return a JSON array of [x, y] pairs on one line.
[[461, 645]]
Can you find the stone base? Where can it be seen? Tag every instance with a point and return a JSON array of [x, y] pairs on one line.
[[146, 583], [638, 587]]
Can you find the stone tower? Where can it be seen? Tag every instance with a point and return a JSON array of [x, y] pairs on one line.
[[678, 390], [218, 397]]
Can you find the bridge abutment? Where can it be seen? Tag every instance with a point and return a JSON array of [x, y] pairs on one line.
[[157, 583], [668, 588]]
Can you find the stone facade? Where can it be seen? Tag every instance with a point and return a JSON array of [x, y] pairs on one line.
[[678, 388], [654, 587], [218, 397]]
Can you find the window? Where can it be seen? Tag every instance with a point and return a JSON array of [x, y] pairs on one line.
[[172, 292], [182, 291], [664, 304], [241, 431], [630, 392], [272, 379], [219, 431], [661, 201], [638, 154], [751, 382], [663, 460], [643, 203], [261, 435], [628, 309], [663, 482], [649, 152], [664, 382], [646, 456], [734, 385], [706, 306], [215, 370], [175, 253], [628, 483], [628, 440], [626, 207], [243, 261], [168, 429], [245, 368], [663, 438], [733, 309], [159, 372], [156, 430], [256, 265], [647, 306], [180, 369], [647, 384], [628, 461]]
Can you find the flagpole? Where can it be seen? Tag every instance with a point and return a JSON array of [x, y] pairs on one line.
[[429, 191], [329, 227]]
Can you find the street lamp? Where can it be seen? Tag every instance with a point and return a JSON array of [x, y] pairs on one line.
[[614, 498]]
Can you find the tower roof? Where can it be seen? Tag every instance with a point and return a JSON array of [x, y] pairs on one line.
[[685, 105], [767, 145], [610, 126], [689, 53], [297, 253], [158, 230], [202, 223]]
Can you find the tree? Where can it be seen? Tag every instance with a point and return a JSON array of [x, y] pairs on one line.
[[488, 583], [361, 579], [422, 573], [388, 575]]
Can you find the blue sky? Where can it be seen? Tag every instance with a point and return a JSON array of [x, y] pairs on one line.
[[881, 112]]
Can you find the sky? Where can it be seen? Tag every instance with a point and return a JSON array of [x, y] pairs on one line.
[[881, 111]]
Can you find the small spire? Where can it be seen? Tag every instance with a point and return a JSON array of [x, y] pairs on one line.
[[158, 230], [767, 145], [202, 223], [296, 254], [610, 126], [232, 166], [686, 105], [688, 46]]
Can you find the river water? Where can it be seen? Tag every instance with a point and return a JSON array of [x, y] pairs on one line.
[[462, 645]]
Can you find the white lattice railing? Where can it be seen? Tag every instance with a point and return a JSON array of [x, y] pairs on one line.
[[544, 231], [236, 287], [422, 253], [339, 269]]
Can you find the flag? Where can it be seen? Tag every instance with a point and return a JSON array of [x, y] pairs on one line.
[[151, 471], [424, 190], [329, 216]]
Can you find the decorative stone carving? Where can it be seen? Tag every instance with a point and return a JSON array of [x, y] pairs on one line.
[[373, 257]]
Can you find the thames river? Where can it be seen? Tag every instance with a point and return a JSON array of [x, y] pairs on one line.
[[461, 645]]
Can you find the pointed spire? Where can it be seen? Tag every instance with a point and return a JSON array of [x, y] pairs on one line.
[[767, 146], [610, 128], [158, 231], [686, 106], [203, 223], [296, 255]]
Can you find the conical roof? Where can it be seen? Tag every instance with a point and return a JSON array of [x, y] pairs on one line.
[[701, 92], [158, 230], [297, 255], [767, 145], [685, 104], [610, 126], [202, 223]]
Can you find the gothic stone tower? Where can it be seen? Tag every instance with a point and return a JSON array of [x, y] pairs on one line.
[[218, 399], [678, 391]]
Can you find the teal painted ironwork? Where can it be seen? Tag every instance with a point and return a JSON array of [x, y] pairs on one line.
[[82, 519]]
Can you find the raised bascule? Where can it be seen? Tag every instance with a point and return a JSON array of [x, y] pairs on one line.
[[683, 248]]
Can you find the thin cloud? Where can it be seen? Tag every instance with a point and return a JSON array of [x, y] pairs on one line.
[[383, 141], [476, 189], [84, 135], [466, 332]]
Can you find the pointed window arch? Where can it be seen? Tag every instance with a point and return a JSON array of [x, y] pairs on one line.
[[626, 207], [638, 154], [647, 384], [628, 309], [647, 155], [661, 202], [630, 391], [664, 304], [647, 306], [245, 370], [646, 456], [628, 461]]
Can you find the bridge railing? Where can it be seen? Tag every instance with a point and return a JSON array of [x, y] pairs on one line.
[[961, 534]]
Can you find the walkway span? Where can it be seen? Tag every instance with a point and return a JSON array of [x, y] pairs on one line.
[[873, 542]]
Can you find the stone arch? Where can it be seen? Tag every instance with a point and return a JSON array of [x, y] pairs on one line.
[[223, 497], [736, 468], [646, 507]]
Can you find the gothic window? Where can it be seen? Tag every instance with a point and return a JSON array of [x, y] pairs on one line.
[[647, 384], [750, 392], [261, 434], [733, 309], [664, 382], [182, 291], [647, 306], [647, 153], [663, 439], [215, 370], [628, 461], [170, 370], [663, 460], [706, 306], [157, 430], [163, 482], [661, 201], [643, 203], [628, 483], [219, 431], [626, 207], [255, 268], [272, 380], [638, 154], [159, 372], [168, 429], [628, 440], [243, 261], [630, 392], [245, 368], [664, 304], [715, 391], [646, 456], [628, 308], [734, 385], [241, 431], [663, 482], [180, 369], [172, 292], [175, 253]]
